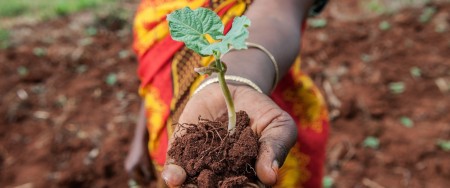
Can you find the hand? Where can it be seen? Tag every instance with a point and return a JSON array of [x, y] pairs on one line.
[[275, 128]]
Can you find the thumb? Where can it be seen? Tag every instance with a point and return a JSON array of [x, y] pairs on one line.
[[173, 175], [275, 142]]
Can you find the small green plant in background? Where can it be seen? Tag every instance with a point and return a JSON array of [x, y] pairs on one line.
[[4, 38], [371, 142], [317, 22], [12, 8], [85, 41], [91, 31], [63, 9], [443, 144], [46, 9], [124, 54], [327, 182], [39, 51], [440, 28], [81, 69], [427, 14], [406, 121], [22, 71], [397, 87], [366, 58], [61, 101], [376, 6], [111, 79], [203, 31], [415, 72], [384, 25]]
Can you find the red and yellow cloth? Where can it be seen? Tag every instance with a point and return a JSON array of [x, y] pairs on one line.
[[166, 85]]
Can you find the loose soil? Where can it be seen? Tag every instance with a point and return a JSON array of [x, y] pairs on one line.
[[62, 125], [359, 62], [214, 157]]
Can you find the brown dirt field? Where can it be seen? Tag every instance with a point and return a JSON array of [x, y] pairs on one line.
[[62, 125]]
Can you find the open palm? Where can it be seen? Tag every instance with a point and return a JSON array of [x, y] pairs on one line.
[[275, 128]]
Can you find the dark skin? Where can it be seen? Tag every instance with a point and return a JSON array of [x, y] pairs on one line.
[[272, 21]]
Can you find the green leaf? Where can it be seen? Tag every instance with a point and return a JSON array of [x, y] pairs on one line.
[[444, 144], [218, 47], [406, 121], [371, 142], [191, 27], [235, 37], [238, 33]]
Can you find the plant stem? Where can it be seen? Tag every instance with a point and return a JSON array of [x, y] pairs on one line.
[[227, 95]]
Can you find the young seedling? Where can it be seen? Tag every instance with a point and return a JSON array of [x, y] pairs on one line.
[[371, 142], [202, 31]]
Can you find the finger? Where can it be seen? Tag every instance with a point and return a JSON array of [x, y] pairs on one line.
[[173, 175], [275, 142]]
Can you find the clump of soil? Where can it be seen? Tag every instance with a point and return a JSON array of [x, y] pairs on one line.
[[213, 157]]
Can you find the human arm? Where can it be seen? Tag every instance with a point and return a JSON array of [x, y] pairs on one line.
[[276, 25]]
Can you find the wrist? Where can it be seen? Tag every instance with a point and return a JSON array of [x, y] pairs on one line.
[[252, 64], [231, 81]]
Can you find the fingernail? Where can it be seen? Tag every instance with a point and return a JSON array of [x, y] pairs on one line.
[[166, 174], [173, 175], [275, 166]]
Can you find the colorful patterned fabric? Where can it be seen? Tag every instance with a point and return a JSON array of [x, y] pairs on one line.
[[167, 84]]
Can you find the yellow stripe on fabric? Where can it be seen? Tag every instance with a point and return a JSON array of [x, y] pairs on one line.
[[294, 171], [150, 14], [308, 105], [155, 109], [237, 10], [148, 38], [223, 4], [296, 67], [175, 83], [195, 84]]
